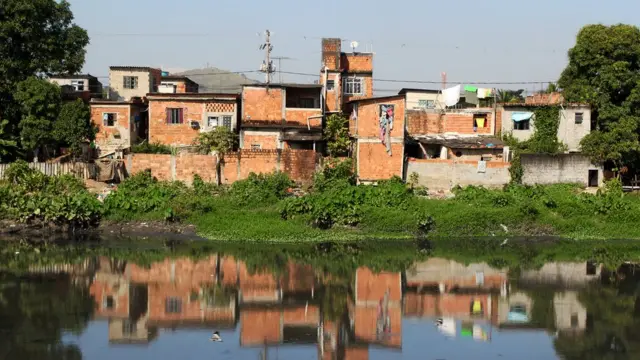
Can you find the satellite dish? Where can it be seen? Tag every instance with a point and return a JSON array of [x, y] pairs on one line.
[[354, 45]]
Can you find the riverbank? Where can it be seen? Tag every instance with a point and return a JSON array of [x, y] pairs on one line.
[[266, 208]]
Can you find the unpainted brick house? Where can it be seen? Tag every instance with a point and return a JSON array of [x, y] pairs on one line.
[[78, 86], [281, 116], [120, 124], [177, 119]]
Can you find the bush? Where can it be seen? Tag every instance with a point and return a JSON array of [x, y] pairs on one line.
[[335, 173], [148, 148], [261, 188]]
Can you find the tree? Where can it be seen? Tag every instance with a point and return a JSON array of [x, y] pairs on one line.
[[604, 71], [510, 96], [36, 37], [219, 141], [7, 146], [40, 103], [336, 133], [73, 126]]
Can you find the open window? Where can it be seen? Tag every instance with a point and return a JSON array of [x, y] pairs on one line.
[[109, 119]]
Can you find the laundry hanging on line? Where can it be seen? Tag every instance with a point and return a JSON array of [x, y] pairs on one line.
[[484, 93], [451, 96], [470, 88], [471, 98]]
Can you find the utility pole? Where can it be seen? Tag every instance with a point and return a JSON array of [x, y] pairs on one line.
[[267, 65]]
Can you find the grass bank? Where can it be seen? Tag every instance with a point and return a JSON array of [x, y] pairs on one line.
[[263, 208]]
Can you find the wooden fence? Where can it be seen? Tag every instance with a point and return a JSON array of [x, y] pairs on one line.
[[78, 169]]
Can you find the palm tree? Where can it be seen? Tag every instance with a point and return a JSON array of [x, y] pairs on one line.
[[510, 96]]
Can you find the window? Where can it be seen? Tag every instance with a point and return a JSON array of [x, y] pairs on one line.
[[426, 104], [173, 305], [109, 119], [175, 116], [306, 103], [331, 84], [226, 121], [521, 125], [256, 146], [212, 121], [78, 85], [579, 117], [130, 82], [109, 303], [353, 86]]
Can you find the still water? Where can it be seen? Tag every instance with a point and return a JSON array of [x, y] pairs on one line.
[[101, 307]]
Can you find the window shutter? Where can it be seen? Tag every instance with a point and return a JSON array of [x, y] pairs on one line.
[[168, 115], [181, 117]]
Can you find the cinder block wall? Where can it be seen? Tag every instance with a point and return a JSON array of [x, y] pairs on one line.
[[561, 168], [438, 174]]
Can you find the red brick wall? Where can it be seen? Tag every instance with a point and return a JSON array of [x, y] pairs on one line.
[[189, 165], [421, 304], [160, 165], [375, 164], [187, 272], [369, 115], [299, 117], [156, 76], [356, 62], [302, 315], [366, 320], [498, 122], [299, 164], [261, 105], [267, 141], [424, 123], [174, 134], [105, 134], [331, 49]]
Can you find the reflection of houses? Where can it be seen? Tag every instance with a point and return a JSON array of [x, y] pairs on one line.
[[563, 274], [445, 288]]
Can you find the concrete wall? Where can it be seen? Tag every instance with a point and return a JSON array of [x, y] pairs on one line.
[[438, 174], [561, 274], [569, 132], [146, 82], [562, 168]]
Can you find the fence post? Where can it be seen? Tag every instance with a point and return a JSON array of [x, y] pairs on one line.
[[173, 167]]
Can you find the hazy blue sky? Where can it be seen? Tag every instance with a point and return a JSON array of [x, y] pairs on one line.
[[494, 40]]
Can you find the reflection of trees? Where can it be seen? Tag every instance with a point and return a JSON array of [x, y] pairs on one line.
[[34, 313], [612, 331]]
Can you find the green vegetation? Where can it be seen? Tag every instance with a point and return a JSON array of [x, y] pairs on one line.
[[218, 141], [265, 207], [29, 195], [151, 148], [336, 133], [604, 71]]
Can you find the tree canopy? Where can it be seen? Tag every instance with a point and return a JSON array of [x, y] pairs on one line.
[[73, 126], [604, 71], [40, 102], [37, 37]]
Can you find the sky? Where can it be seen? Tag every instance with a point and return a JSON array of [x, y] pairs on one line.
[[417, 40]]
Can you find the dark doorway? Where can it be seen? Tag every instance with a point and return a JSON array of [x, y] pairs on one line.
[[593, 178]]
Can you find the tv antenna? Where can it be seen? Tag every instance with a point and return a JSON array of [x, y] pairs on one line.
[[279, 68]]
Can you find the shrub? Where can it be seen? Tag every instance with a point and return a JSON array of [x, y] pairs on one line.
[[151, 148], [261, 188], [335, 173]]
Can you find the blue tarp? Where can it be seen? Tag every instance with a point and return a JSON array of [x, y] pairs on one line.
[[521, 116]]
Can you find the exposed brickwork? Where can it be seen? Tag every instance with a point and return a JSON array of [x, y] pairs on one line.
[[300, 116], [189, 165], [268, 141], [426, 123], [262, 105], [375, 164], [183, 272], [160, 165], [366, 320], [369, 117], [552, 98], [106, 135], [299, 164], [356, 62], [259, 326], [174, 134], [498, 129], [331, 49], [302, 315], [373, 287]]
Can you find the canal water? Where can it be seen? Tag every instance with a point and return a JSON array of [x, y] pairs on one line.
[[96, 306]]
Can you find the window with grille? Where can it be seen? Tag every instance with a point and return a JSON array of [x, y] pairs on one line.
[[173, 305], [226, 121], [426, 104], [109, 119], [212, 121], [130, 82], [521, 125], [78, 85], [579, 118], [353, 86], [306, 103], [175, 116]]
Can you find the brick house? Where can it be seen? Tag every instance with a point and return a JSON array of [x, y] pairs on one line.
[[120, 124], [378, 128], [345, 76], [177, 118], [78, 86], [281, 116], [127, 82]]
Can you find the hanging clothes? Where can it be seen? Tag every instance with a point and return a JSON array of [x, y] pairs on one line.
[[471, 98], [480, 122], [451, 96], [470, 88], [484, 93], [476, 308]]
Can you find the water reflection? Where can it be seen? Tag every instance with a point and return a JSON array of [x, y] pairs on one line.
[[570, 310]]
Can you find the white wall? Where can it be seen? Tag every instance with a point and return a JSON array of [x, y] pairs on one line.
[[116, 84], [444, 175]]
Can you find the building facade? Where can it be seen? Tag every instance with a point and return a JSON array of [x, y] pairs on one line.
[[79, 86], [127, 82]]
